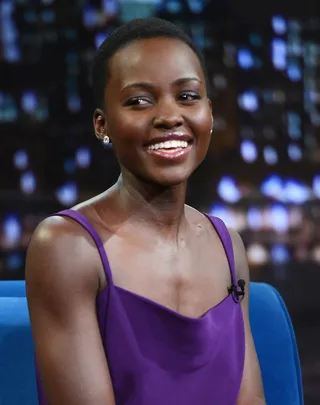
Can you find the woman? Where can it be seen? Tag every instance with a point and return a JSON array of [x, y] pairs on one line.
[[129, 292]]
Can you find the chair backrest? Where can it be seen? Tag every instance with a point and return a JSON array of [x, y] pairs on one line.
[[271, 328], [17, 372], [276, 346], [12, 288]]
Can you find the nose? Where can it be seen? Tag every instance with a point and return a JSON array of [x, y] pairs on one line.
[[168, 116]]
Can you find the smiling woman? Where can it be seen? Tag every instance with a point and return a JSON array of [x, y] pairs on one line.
[[152, 97], [133, 295]]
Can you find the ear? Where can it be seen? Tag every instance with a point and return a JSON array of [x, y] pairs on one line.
[[210, 106], [99, 124]]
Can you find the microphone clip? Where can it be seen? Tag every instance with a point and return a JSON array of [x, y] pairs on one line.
[[237, 292]]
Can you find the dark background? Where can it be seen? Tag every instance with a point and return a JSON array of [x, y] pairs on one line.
[[262, 173]]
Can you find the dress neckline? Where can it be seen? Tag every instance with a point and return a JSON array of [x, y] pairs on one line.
[[165, 309]]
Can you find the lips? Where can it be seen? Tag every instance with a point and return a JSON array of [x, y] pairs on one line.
[[172, 136], [175, 144], [171, 147]]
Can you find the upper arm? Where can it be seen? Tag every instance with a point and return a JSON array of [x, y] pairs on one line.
[[61, 292], [251, 392]]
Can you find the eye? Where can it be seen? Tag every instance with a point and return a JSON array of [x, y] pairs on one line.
[[189, 96], [137, 101]]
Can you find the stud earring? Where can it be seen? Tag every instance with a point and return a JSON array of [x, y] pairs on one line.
[[212, 126], [106, 140]]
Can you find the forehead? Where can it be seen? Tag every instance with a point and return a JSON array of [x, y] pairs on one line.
[[156, 59]]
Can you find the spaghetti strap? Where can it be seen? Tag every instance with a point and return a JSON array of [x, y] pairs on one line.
[[225, 238], [83, 221]]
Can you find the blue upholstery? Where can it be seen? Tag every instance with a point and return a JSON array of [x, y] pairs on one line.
[[271, 328], [12, 289], [17, 374], [276, 346]]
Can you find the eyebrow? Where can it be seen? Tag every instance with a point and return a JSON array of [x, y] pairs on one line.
[[150, 86]]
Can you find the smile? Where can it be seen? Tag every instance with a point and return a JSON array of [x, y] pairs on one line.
[[169, 145], [173, 150]]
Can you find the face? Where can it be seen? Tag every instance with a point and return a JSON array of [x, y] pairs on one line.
[[157, 113]]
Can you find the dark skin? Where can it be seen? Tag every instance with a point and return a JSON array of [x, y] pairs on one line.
[[168, 245]]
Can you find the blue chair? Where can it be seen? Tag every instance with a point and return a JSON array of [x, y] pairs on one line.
[[271, 328], [17, 371], [276, 346], [12, 289]]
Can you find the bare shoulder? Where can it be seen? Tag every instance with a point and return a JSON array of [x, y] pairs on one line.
[[62, 284], [251, 391], [59, 256]]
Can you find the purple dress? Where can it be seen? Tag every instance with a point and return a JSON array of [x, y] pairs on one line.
[[157, 356]]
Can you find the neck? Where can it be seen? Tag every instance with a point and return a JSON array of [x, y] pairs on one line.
[[158, 208]]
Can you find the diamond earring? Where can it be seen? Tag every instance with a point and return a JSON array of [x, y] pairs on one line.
[[106, 140], [212, 126]]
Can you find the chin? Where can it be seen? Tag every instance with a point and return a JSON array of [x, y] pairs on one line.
[[172, 178]]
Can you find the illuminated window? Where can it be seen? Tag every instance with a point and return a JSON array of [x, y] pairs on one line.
[[110, 7], [83, 158], [294, 125], [21, 159], [11, 230], [279, 25], [316, 186], [279, 218], [273, 187], [279, 53], [270, 155], [245, 59], [196, 6], [67, 194], [173, 6], [280, 254], [296, 192], [74, 103], [28, 182], [294, 72], [29, 101], [295, 152], [228, 190], [257, 254], [249, 101], [90, 17], [248, 151], [254, 218]]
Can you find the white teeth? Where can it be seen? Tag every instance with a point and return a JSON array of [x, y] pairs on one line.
[[169, 145]]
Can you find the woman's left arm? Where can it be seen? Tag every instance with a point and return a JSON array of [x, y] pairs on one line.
[[251, 392]]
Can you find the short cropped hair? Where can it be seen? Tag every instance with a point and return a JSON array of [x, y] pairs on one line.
[[136, 29]]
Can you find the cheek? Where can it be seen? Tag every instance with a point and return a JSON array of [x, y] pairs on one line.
[[202, 123], [127, 127], [125, 132]]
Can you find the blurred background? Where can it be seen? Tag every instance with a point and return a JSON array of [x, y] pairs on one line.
[[262, 173]]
